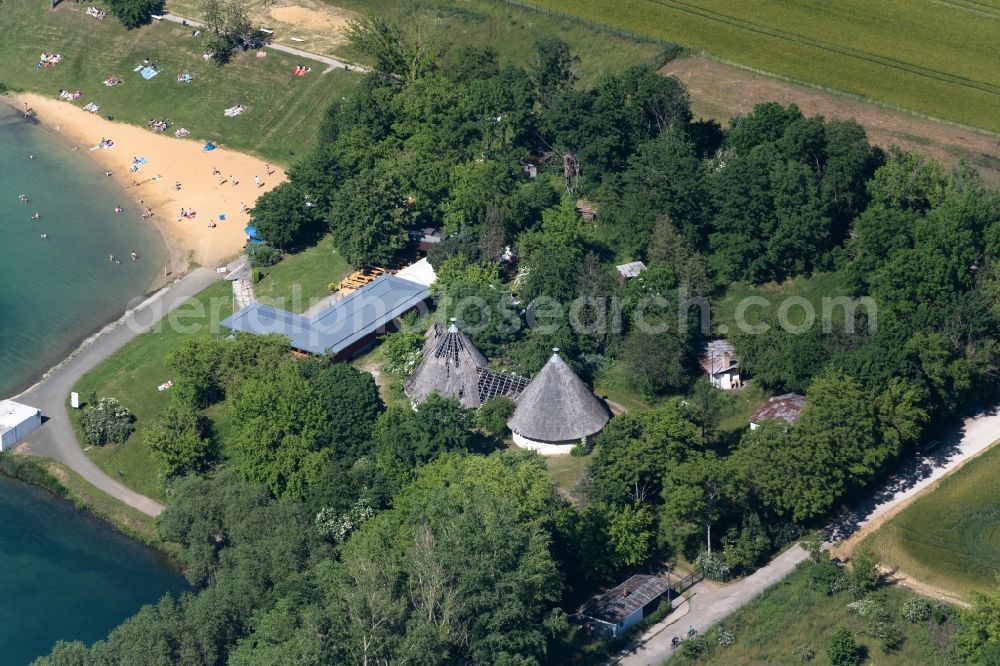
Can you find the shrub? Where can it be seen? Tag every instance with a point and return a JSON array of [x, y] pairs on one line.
[[338, 526], [583, 448], [744, 550], [804, 653], [713, 566], [494, 414], [178, 441], [917, 609], [825, 574], [107, 422], [843, 650], [263, 255], [693, 648], [402, 353], [865, 576], [726, 637], [864, 608], [891, 637], [940, 612]]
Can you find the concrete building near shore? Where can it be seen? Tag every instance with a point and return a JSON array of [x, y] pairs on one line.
[[556, 411], [17, 421]]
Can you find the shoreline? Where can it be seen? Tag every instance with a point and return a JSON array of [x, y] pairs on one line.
[[51, 477], [187, 243], [144, 300], [169, 160]]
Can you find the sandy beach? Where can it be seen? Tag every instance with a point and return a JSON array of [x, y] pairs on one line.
[[168, 161]]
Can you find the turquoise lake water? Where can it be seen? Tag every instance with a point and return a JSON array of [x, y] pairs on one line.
[[65, 574], [55, 292]]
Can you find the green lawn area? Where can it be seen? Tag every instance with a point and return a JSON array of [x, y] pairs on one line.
[[282, 110], [813, 289], [793, 614], [937, 58], [737, 406], [566, 471], [614, 384], [511, 30], [390, 389], [949, 537], [296, 282], [132, 374]]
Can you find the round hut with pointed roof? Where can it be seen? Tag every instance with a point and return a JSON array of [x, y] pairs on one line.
[[450, 366], [556, 411]]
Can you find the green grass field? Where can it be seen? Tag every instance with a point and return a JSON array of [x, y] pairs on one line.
[[295, 283], [133, 373], [512, 31], [792, 614], [813, 289], [938, 57], [282, 114], [950, 537]]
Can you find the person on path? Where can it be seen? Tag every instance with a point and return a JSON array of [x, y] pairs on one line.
[[257, 181]]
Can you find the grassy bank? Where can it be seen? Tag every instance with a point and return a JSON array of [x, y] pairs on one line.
[[129, 521], [134, 372], [937, 58], [282, 110], [948, 537], [67, 484], [795, 614], [31, 470]]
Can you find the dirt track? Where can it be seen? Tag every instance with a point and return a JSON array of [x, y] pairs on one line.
[[722, 91]]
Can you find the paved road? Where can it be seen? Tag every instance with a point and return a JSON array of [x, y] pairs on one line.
[[331, 63], [56, 439], [711, 602]]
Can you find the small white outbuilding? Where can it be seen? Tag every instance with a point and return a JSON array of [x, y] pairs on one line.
[[17, 421]]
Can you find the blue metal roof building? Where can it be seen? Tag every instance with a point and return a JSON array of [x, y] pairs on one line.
[[344, 327]]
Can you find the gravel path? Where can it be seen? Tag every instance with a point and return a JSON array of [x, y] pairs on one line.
[[56, 439], [331, 63], [711, 602]]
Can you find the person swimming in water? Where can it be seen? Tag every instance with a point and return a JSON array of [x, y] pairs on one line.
[[118, 208], [23, 198], [134, 255], [44, 236], [36, 216]]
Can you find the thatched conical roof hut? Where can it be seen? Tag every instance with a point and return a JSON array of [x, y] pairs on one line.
[[556, 410], [450, 366]]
